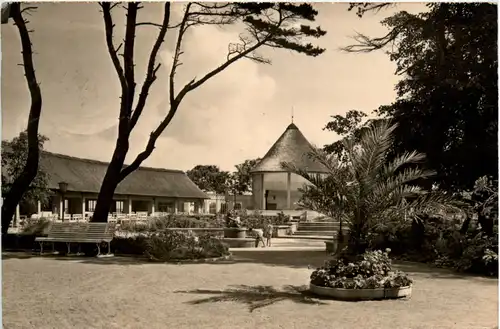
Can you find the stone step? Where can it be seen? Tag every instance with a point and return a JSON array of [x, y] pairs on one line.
[[308, 237], [318, 223], [327, 229], [318, 228], [324, 225], [320, 233]]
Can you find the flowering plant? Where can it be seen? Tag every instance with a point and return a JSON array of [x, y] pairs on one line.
[[371, 270]]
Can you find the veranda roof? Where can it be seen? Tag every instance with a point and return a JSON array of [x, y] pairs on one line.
[[85, 175], [292, 147]]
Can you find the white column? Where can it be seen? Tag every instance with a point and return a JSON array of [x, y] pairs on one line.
[[176, 207], [288, 187], [84, 200], [39, 208], [217, 203], [17, 216], [263, 190], [129, 205], [153, 206], [61, 205]]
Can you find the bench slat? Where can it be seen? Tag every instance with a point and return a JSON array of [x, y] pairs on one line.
[[79, 232]]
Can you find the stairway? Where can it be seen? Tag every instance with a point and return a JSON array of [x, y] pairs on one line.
[[318, 229]]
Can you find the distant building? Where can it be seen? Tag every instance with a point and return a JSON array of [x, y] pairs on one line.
[[239, 201], [274, 188], [146, 190], [221, 203]]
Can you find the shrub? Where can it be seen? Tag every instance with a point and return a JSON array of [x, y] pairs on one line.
[[473, 252], [36, 226], [370, 270], [171, 245], [440, 241], [129, 245], [257, 220], [158, 224]]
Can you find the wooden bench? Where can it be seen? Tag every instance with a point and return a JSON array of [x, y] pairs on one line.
[[79, 233]]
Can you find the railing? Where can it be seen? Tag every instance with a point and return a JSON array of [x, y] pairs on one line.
[[112, 217]]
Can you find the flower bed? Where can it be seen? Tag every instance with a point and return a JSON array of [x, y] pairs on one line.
[[159, 224], [171, 246], [369, 276]]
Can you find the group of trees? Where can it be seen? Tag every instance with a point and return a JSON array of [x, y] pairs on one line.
[[365, 189], [263, 25], [446, 108], [14, 156], [447, 98], [211, 178]]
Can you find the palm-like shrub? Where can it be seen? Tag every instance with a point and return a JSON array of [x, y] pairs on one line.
[[369, 189]]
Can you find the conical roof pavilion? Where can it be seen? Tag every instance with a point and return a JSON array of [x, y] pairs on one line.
[[292, 147]]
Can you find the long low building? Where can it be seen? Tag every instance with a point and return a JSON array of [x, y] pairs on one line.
[[146, 190]]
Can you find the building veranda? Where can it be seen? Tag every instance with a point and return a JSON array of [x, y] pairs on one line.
[[75, 184]]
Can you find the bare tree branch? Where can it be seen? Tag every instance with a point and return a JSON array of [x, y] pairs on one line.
[[177, 53], [364, 7], [192, 85], [108, 23], [28, 9], [149, 24], [128, 59], [212, 5], [152, 68]]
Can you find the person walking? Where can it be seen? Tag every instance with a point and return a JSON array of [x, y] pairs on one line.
[[269, 234]]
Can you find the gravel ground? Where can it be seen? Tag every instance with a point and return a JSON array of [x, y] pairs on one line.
[[261, 288]]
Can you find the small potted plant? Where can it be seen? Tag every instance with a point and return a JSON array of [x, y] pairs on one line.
[[233, 227]]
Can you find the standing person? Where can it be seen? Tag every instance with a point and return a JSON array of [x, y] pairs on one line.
[[237, 220], [269, 234], [259, 236]]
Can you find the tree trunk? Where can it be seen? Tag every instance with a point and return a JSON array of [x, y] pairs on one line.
[[22, 183], [109, 183]]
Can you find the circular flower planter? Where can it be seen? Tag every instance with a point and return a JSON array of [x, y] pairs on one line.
[[361, 294], [235, 232]]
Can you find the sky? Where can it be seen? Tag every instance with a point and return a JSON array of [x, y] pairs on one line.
[[236, 115]]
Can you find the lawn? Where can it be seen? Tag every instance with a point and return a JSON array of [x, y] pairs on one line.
[[261, 288]]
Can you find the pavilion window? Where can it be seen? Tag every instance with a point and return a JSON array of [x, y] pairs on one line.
[[120, 205], [90, 206], [167, 207], [212, 208], [223, 207]]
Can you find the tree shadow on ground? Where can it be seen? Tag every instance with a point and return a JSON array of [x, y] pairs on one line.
[[116, 260], [289, 258], [256, 297]]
